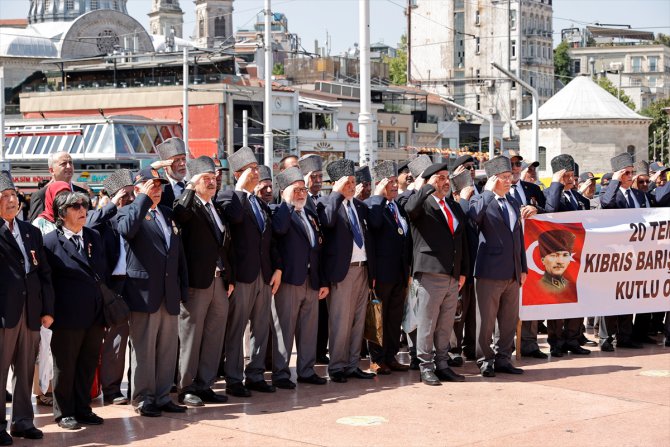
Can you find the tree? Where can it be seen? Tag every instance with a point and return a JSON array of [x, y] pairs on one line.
[[658, 125], [562, 62], [398, 64], [278, 69], [662, 39], [607, 85]]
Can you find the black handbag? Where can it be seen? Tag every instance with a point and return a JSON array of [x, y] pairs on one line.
[[114, 307]]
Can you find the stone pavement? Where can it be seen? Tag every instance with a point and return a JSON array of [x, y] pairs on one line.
[[605, 399]]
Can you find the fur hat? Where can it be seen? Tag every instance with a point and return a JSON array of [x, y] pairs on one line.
[[201, 165], [264, 173], [170, 148], [553, 241], [621, 161], [117, 180], [362, 174], [563, 161], [460, 181], [419, 164], [497, 165], [340, 168], [384, 169], [241, 158], [310, 163], [641, 167], [6, 181], [289, 176]]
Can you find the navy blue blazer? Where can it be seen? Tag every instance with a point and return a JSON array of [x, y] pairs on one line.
[[613, 198], [78, 301], [167, 198], [339, 239], [19, 290], [155, 274], [473, 237], [393, 251], [301, 260], [501, 254], [558, 203], [534, 195], [105, 224], [662, 195], [254, 251]]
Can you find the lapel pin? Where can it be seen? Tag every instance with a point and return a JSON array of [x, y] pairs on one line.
[[32, 253]]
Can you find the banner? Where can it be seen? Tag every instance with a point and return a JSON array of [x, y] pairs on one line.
[[596, 263]]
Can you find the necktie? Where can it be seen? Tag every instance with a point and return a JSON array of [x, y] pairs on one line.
[[450, 219], [517, 195], [505, 211], [154, 217], [629, 199], [395, 216], [573, 202], [308, 230], [217, 230], [181, 186], [78, 243], [257, 212], [355, 229]]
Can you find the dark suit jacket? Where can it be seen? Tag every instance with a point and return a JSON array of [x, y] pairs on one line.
[[501, 254], [75, 279], [155, 274], [339, 239], [104, 222], [613, 198], [32, 291], [201, 245], [37, 201], [254, 252], [311, 204], [532, 191], [393, 251], [295, 249], [662, 195], [558, 203], [167, 198], [473, 238], [435, 249]]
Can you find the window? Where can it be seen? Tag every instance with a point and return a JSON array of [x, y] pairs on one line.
[[402, 139], [512, 19], [476, 45], [576, 66], [653, 63], [631, 150], [477, 18], [69, 5], [380, 138], [220, 27], [636, 64], [315, 121], [479, 102], [513, 49], [542, 155], [94, 5], [390, 138], [201, 27], [512, 108]]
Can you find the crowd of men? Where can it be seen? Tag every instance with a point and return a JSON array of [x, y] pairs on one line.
[[197, 264]]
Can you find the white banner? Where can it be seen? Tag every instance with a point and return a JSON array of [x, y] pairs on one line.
[[596, 263]]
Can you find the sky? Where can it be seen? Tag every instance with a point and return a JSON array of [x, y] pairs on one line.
[[315, 19]]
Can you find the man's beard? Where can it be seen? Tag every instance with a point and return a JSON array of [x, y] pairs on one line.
[[299, 204]]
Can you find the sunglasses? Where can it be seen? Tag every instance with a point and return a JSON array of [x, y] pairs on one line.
[[79, 205], [469, 167], [643, 182], [516, 164], [628, 173]]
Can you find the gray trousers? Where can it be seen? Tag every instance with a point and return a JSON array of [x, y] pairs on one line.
[[529, 337], [154, 355], [295, 315], [497, 300], [347, 305], [249, 302], [437, 298], [202, 328], [18, 347]]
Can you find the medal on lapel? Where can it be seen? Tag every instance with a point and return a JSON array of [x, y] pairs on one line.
[[175, 230], [147, 217], [32, 254], [89, 250], [400, 232]]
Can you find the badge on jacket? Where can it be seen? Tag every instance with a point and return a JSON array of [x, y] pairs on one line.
[[33, 255]]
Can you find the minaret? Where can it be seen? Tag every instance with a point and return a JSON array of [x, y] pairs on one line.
[[164, 15], [213, 22]]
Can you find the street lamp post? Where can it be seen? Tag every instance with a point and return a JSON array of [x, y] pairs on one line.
[[488, 118], [365, 120], [268, 151]]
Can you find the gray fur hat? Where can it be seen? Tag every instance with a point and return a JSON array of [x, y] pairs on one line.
[[384, 169], [362, 174], [497, 165], [641, 167], [117, 180], [563, 161], [621, 161], [419, 164], [241, 158], [201, 165], [264, 173], [310, 163], [170, 148], [6, 181], [340, 168], [460, 181], [289, 176]]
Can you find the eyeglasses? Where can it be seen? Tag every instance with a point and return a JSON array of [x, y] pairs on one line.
[[79, 205], [516, 164], [300, 190], [643, 182]]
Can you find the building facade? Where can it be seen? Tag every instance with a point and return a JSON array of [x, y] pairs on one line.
[[165, 17], [213, 23]]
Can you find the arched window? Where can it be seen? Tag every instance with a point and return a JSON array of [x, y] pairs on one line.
[[631, 151], [542, 155], [220, 27]]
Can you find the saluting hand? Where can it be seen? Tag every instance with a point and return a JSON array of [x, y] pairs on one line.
[[158, 164], [146, 187], [467, 192], [558, 176], [491, 183], [287, 194], [380, 189], [244, 181]]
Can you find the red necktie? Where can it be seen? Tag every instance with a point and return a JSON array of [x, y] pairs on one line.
[[448, 213]]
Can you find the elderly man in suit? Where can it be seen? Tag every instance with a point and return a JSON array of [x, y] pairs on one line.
[[500, 267], [202, 319], [263, 189], [156, 283], [258, 274], [440, 268], [348, 261], [363, 183], [173, 160], [295, 305], [26, 302], [390, 231]]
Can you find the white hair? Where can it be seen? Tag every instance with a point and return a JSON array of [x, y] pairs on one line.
[[53, 156]]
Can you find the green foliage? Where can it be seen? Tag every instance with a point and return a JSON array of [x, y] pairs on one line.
[[662, 39], [398, 64], [607, 85], [658, 125], [562, 62], [278, 69]]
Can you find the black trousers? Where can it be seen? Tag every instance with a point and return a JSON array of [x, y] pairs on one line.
[[563, 333], [75, 354], [621, 326], [392, 296]]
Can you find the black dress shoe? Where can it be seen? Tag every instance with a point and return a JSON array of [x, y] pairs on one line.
[[237, 390], [447, 375], [556, 352], [578, 350], [429, 378], [148, 410], [488, 371], [172, 407], [89, 419], [211, 397], [30, 433], [284, 384], [507, 369], [395, 365], [338, 377], [537, 354], [628, 344], [360, 374], [261, 386], [5, 439], [607, 346], [456, 361], [190, 399], [322, 360], [313, 379], [69, 423]]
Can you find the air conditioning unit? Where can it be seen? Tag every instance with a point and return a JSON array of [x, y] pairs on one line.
[[492, 110]]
